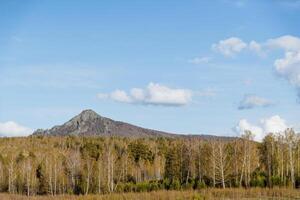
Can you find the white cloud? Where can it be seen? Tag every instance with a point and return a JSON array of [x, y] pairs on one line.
[[153, 94], [159, 94], [137, 94], [229, 47], [289, 67], [274, 124], [200, 60], [257, 48], [286, 42], [243, 125], [121, 96], [234, 45], [12, 129], [252, 101]]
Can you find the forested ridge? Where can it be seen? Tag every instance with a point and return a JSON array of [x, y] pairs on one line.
[[52, 165]]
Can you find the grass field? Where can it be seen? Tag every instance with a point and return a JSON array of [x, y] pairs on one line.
[[249, 194]]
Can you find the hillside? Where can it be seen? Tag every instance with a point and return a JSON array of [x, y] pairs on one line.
[[89, 123]]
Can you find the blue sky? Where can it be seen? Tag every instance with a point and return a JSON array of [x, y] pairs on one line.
[[198, 67]]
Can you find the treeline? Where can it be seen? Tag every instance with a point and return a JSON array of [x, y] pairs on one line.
[[46, 165]]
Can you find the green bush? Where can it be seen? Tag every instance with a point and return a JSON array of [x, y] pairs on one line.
[[154, 186], [166, 184], [276, 181], [200, 185], [175, 185], [258, 181], [142, 187]]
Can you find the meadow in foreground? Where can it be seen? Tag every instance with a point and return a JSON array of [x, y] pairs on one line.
[[206, 194]]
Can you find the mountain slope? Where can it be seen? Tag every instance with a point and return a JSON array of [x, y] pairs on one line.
[[89, 123]]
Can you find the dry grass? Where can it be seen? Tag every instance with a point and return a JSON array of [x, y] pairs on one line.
[[253, 194]]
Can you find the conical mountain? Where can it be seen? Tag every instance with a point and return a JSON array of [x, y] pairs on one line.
[[89, 123]]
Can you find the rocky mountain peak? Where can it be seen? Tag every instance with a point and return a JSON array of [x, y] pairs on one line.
[[88, 115], [88, 122]]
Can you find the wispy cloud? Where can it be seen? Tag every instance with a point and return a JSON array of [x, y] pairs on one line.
[[253, 101], [257, 48], [56, 76], [200, 60]]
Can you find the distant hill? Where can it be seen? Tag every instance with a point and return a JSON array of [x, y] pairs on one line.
[[89, 123]]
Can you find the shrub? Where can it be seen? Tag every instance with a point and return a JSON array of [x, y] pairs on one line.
[[175, 185], [258, 181], [166, 184], [142, 187], [276, 181], [200, 185], [154, 186]]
